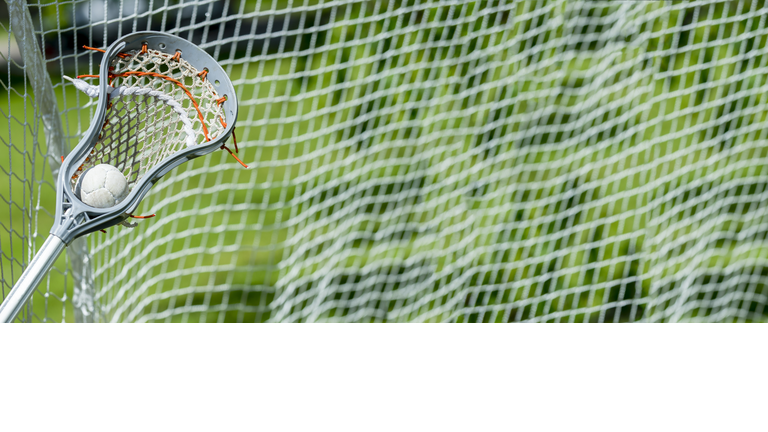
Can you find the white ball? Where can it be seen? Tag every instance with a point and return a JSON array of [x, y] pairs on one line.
[[102, 186]]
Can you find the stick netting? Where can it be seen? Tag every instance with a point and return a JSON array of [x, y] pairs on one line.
[[561, 161], [159, 104]]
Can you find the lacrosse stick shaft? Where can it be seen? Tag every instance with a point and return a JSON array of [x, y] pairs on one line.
[[30, 279]]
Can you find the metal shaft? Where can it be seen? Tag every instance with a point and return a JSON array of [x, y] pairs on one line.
[[31, 278]]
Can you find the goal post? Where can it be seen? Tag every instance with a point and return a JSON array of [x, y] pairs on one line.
[[441, 161]]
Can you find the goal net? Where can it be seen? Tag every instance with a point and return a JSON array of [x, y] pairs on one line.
[[445, 161]]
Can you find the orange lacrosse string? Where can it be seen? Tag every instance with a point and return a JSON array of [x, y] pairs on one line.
[[234, 139], [121, 55], [223, 147], [142, 217]]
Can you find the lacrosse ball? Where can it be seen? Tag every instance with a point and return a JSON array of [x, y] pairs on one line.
[[102, 186]]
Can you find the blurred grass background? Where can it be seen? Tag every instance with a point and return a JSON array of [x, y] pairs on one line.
[[478, 161]]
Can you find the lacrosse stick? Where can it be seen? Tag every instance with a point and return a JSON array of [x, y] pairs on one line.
[[161, 102]]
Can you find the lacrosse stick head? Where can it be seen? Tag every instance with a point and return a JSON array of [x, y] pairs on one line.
[[161, 102]]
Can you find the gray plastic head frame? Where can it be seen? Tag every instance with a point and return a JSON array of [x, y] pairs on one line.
[[74, 218]]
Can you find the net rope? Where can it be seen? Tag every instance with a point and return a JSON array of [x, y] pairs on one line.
[[447, 161]]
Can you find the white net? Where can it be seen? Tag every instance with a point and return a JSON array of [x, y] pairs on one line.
[[563, 161]]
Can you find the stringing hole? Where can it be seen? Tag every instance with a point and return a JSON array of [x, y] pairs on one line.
[[217, 82], [161, 45]]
